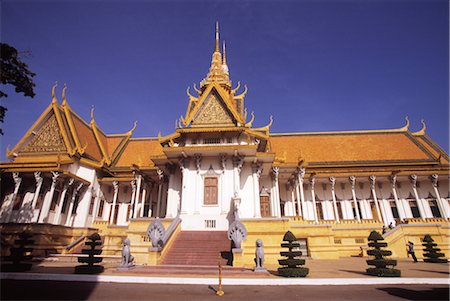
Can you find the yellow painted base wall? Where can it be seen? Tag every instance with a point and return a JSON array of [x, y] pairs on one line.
[[331, 240], [48, 238]]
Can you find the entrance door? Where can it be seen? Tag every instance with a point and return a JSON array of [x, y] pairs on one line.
[[265, 206]]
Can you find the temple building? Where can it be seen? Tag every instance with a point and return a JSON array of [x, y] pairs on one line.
[[329, 188]]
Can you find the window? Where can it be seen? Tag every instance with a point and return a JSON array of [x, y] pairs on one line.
[[18, 202], [100, 208], [394, 210], [339, 209], [91, 205], [211, 141], [54, 200], [210, 197], [434, 208], [414, 209], [319, 210]]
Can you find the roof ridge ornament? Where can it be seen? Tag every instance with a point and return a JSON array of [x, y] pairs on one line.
[[406, 127], [237, 88], [249, 124], [63, 94], [242, 95], [92, 113], [130, 132], [197, 90], [421, 132], [54, 100]]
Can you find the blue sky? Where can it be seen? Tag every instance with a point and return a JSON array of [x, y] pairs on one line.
[[313, 65]]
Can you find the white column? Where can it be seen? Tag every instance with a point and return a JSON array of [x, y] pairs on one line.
[[113, 209], [372, 179], [300, 179], [97, 194], [276, 172], [150, 199], [224, 187], [72, 203], [398, 203], [83, 208], [43, 214], [160, 182], [17, 181], [198, 184], [136, 200], [39, 180], [442, 208], [57, 218], [144, 195], [333, 195], [171, 197], [184, 166], [256, 174], [413, 179], [292, 186], [133, 197], [312, 180], [237, 167], [355, 202]]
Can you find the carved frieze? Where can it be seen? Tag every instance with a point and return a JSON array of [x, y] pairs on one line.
[[47, 139], [213, 112]]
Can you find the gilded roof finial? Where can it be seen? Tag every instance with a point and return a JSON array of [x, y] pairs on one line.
[[64, 94], [237, 88], [405, 128], [224, 55], [217, 47], [54, 100], [92, 113], [421, 132], [130, 132], [197, 90]]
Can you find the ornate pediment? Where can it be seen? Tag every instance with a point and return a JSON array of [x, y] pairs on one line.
[[212, 113], [47, 139]]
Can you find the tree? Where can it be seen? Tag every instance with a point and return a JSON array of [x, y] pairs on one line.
[[291, 264], [431, 252], [383, 267], [14, 72]]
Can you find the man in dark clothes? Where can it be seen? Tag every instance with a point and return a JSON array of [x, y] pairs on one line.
[[410, 246]]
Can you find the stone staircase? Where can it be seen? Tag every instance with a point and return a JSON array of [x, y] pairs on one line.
[[199, 248]]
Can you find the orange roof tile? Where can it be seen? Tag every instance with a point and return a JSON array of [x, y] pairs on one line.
[[112, 142], [347, 147], [139, 151], [87, 138]]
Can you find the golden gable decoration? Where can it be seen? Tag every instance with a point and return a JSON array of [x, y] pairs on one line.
[[213, 113], [47, 139]]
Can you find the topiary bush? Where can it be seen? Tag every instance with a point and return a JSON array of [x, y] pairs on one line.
[[23, 252], [290, 265], [431, 252], [383, 267], [93, 241]]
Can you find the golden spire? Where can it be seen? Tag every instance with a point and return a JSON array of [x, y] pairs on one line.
[[224, 61], [216, 72], [217, 47]]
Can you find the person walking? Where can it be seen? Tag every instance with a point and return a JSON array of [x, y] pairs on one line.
[[410, 246]]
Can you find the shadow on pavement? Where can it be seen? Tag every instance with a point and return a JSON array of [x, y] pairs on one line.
[[431, 271], [437, 293], [354, 272], [45, 290]]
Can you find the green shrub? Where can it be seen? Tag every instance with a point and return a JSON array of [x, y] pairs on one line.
[[431, 252], [290, 265], [383, 267]]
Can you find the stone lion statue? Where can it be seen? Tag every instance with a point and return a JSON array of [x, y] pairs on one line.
[[127, 258], [259, 254]]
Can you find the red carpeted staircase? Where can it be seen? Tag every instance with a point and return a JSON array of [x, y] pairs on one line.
[[199, 248]]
